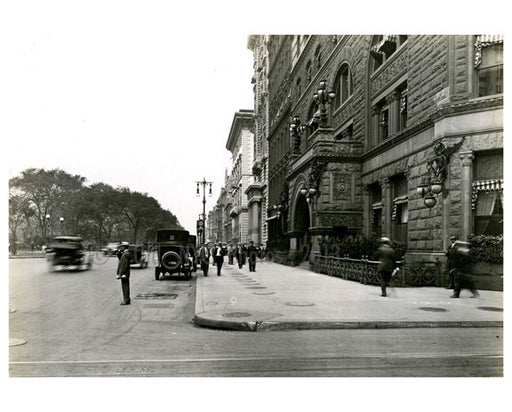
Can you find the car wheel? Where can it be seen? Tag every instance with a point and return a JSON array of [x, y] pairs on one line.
[[171, 260]]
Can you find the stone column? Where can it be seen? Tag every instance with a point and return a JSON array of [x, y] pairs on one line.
[[387, 203], [466, 189], [366, 210], [374, 135], [394, 112]]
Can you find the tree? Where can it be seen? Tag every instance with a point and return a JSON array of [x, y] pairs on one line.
[[19, 212], [48, 193]]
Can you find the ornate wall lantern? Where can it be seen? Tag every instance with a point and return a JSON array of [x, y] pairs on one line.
[[432, 184], [296, 131], [322, 97]]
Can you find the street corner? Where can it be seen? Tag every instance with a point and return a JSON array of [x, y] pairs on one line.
[[239, 319]]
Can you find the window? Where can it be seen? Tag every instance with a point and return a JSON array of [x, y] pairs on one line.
[[383, 47], [400, 212], [487, 200], [376, 210], [318, 56], [342, 85], [384, 123], [489, 64], [403, 109]]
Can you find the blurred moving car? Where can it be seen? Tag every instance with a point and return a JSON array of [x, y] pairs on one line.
[[111, 249], [68, 253], [173, 255], [138, 256]]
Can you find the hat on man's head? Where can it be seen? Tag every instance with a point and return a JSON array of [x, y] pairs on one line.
[[385, 240]]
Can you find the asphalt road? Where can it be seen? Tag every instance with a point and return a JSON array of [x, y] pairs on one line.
[[73, 325]]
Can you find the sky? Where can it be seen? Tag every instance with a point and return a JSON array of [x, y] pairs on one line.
[[127, 96]]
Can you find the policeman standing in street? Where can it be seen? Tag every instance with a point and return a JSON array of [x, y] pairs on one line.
[[123, 272]]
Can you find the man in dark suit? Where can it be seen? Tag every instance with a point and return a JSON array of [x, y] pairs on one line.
[[204, 258], [123, 272], [387, 263], [218, 253], [252, 252]]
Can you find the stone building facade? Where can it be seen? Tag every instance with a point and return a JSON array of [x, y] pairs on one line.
[[408, 145], [257, 192], [241, 145]]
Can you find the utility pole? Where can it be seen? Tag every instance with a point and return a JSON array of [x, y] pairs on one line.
[[203, 228]]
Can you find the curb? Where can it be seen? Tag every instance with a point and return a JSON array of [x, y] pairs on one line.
[[27, 257], [255, 326]]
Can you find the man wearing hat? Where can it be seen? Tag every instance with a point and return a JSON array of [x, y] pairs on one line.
[[450, 254], [123, 272], [387, 264]]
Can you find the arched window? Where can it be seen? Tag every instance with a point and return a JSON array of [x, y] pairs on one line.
[[342, 85]]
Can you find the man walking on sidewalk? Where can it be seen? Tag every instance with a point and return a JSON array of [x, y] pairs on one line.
[[387, 264], [204, 258], [218, 253], [252, 252]]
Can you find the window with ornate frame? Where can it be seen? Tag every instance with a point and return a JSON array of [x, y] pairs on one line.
[[487, 199], [383, 47], [489, 65], [342, 85], [400, 212], [376, 209]]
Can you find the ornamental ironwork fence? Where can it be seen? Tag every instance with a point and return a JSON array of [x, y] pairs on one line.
[[365, 271]]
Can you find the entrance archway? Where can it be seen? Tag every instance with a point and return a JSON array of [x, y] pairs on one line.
[[302, 223]]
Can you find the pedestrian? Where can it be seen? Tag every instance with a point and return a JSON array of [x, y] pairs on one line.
[[241, 254], [387, 263], [231, 253], [451, 255], [218, 253], [204, 258], [123, 272], [252, 253], [462, 270]]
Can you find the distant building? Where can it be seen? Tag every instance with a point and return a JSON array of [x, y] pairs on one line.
[[257, 191], [240, 143]]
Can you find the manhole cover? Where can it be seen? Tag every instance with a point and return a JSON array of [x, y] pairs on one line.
[[300, 304], [263, 293], [16, 342], [256, 287], [156, 295], [236, 315], [491, 308], [433, 309], [158, 305]]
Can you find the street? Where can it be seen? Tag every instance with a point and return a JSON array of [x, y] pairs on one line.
[[73, 325]]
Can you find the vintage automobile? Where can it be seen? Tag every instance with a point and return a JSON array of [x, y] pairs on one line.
[[68, 253], [111, 249], [173, 253], [138, 256]]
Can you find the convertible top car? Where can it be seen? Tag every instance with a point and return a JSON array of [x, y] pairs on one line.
[[68, 253]]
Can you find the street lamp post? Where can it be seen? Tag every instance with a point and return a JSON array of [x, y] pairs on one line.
[[204, 183]]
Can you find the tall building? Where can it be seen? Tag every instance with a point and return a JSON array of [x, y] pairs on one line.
[[257, 191], [390, 135], [240, 143]]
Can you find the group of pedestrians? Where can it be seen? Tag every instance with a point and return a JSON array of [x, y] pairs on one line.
[[459, 262], [242, 253]]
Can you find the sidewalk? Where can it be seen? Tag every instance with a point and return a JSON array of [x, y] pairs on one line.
[[279, 297]]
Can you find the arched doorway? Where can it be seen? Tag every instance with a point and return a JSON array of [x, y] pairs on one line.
[[302, 223]]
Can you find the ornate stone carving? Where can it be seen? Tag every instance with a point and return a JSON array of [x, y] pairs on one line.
[[342, 186], [395, 68]]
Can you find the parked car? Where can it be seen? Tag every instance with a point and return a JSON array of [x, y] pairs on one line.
[[138, 256], [68, 253], [111, 249], [173, 255]]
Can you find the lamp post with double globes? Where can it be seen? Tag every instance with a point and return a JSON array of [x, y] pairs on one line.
[[322, 97], [203, 183]]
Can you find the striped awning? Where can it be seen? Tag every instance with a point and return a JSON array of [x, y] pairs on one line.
[[485, 40]]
